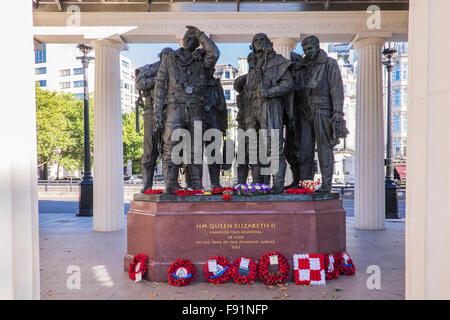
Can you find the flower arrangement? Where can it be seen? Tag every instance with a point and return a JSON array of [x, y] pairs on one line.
[[244, 270], [153, 191], [345, 263], [181, 273], [299, 191], [217, 270], [223, 190], [253, 189], [226, 197], [138, 267], [310, 184], [273, 258], [332, 266], [188, 192], [309, 269]]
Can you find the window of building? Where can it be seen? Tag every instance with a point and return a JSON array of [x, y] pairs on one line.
[[397, 123], [77, 84], [404, 122], [402, 48], [40, 56], [227, 74], [42, 83], [64, 72], [405, 96], [42, 70], [64, 85], [79, 96], [125, 64], [397, 73], [227, 94], [404, 74], [126, 86], [397, 97], [78, 71]]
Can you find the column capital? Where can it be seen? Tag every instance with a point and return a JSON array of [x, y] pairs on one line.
[[116, 43], [285, 41], [363, 39]]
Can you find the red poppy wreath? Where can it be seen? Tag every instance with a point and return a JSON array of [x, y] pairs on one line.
[[347, 266], [273, 258], [217, 270], [153, 191], [244, 270], [183, 193], [181, 273], [138, 266], [332, 265]]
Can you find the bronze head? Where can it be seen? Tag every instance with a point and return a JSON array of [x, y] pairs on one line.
[[261, 42], [190, 40], [311, 47]]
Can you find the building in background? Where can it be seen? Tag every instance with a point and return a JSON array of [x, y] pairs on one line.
[[57, 68], [344, 152], [399, 103], [399, 109]]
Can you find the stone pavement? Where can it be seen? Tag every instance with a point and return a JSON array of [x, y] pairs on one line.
[[68, 242]]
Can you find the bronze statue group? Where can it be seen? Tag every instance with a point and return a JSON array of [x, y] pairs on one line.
[[294, 106]]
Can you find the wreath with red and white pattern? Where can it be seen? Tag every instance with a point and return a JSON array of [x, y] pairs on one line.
[[138, 266], [264, 263], [217, 270], [247, 266], [181, 273]]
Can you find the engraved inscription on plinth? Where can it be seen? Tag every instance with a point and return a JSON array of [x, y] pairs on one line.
[[235, 236]]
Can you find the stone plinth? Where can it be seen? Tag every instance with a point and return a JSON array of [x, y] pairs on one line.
[[168, 227]]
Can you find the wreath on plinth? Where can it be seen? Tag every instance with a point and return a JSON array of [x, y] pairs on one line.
[[273, 258], [253, 189], [217, 270], [299, 191], [244, 270], [181, 273], [188, 192], [138, 267], [153, 191]]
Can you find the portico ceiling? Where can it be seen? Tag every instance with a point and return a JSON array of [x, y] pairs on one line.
[[220, 5], [141, 21]]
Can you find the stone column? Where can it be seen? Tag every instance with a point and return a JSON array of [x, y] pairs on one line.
[[108, 143], [285, 46], [369, 149], [428, 175], [19, 226]]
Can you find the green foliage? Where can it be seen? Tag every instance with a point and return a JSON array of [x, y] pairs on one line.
[[132, 140], [60, 129]]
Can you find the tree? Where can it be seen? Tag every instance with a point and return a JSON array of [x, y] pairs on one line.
[[60, 130], [74, 156], [132, 140]]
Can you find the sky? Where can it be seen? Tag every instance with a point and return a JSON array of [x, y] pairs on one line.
[[144, 53]]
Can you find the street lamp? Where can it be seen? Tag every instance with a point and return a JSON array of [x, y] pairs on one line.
[[86, 185], [390, 186]]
